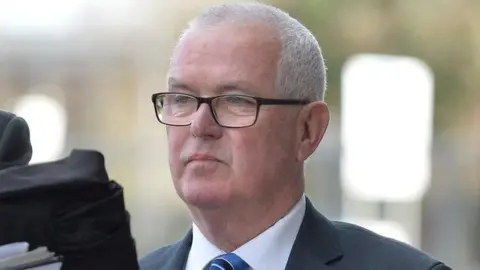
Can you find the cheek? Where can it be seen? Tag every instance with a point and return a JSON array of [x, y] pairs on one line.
[[174, 141], [259, 153], [248, 152], [177, 138]]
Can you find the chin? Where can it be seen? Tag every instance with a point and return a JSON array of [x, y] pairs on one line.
[[208, 194], [203, 202]]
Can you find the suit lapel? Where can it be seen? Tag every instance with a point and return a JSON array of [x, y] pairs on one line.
[[317, 242], [179, 254]]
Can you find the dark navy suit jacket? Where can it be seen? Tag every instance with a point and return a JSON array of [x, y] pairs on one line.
[[321, 245]]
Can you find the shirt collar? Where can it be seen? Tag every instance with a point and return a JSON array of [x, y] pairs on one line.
[[269, 250], [202, 251]]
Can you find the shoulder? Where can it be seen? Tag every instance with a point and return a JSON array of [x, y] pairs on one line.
[[359, 242], [157, 258], [168, 257]]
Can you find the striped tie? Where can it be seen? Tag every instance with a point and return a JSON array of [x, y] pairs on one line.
[[228, 261]]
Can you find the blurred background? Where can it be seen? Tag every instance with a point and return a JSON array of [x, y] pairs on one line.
[[82, 72]]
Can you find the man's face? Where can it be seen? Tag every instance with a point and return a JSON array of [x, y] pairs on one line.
[[212, 165]]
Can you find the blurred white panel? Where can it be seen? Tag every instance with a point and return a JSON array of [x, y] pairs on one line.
[[115, 10], [47, 119], [38, 17], [66, 17], [387, 126], [119, 16]]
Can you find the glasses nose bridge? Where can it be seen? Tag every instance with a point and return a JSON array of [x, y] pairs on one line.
[[209, 102], [206, 100]]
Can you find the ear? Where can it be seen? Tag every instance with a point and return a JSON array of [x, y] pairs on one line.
[[312, 125]]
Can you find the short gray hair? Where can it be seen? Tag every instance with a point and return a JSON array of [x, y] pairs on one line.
[[301, 71]]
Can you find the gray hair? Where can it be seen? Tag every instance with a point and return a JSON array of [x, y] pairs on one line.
[[301, 71]]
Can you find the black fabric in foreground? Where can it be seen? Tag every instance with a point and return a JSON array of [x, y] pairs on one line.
[[15, 146], [73, 208]]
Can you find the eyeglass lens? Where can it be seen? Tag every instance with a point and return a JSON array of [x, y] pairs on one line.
[[229, 110]]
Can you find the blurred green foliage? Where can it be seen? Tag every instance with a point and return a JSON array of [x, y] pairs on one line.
[[443, 33]]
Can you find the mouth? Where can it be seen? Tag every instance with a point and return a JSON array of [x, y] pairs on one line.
[[202, 157]]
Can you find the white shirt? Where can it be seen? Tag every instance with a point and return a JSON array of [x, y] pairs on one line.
[[269, 250]]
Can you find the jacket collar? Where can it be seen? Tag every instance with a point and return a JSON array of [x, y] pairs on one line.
[[317, 244]]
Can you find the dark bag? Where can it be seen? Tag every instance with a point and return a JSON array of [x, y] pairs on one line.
[[71, 207]]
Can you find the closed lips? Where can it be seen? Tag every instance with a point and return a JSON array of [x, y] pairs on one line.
[[202, 157]]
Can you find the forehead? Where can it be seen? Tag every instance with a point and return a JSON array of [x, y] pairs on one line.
[[227, 55]]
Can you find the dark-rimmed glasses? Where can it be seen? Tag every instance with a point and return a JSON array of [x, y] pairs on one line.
[[231, 111]]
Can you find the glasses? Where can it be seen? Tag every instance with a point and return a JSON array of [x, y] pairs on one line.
[[231, 111]]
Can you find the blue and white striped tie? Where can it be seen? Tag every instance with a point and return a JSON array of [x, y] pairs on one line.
[[228, 261]]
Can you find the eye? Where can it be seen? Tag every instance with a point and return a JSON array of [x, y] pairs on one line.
[[179, 99], [238, 100]]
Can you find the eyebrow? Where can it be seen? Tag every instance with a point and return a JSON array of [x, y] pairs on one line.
[[234, 85], [173, 82]]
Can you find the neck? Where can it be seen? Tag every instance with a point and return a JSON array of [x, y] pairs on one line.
[[230, 227]]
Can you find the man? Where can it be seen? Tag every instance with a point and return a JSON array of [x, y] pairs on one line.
[[244, 111]]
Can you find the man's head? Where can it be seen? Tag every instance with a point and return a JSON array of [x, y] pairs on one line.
[[253, 50]]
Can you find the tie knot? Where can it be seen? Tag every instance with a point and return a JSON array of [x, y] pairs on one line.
[[229, 261]]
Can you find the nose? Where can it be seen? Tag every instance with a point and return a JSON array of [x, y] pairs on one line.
[[204, 124]]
